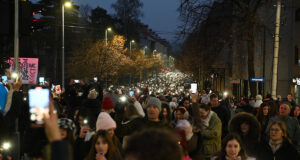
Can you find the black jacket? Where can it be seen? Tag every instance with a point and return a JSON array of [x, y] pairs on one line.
[[224, 116], [285, 152]]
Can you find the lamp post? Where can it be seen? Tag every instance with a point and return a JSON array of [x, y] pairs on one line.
[[16, 37], [67, 4], [130, 43], [107, 30], [145, 50]]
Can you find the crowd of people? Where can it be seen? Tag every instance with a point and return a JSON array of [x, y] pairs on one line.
[[151, 121]]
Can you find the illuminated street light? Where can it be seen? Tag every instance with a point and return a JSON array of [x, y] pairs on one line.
[[6, 146], [68, 5]]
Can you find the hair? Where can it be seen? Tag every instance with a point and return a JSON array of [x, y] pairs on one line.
[[292, 111], [164, 105], [70, 136], [113, 152], [272, 108], [282, 126], [221, 155], [130, 111], [260, 115], [206, 107], [213, 96], [154, 144]]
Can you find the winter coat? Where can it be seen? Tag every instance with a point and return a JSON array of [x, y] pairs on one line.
[[286, 152], [224, 114], [211, 135], [59, 150], [292, 128], [195, 146], [253, 137]]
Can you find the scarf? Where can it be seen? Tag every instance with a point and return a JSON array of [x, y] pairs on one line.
[[234, 158], [275, 145], [205, 122]]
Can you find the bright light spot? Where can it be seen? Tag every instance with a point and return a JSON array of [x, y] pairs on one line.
[[85, 121], [123, 99], [132, 41], [6, 145], [225, 94], [68, 4], [108, 29], [14, 75]]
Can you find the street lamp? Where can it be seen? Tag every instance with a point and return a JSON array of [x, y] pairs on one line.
[[132, 41], [68, 5], [107, 30], [154, 51], [145, 50]]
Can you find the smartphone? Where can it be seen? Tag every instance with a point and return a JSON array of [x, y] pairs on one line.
[[76, 81], [150, 92], [95, 79], [38, 104], [4, 79], [131, 93], [194, 88]]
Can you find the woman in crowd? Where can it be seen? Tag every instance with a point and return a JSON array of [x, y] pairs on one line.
[[103, 148], [232, 149], [295, 112], [105, 122], [247, 127], [263, 116], [165, 112], [180, 113], [278, 146], [193, 139]]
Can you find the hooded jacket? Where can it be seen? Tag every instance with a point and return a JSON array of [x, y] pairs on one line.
[[253, 137]]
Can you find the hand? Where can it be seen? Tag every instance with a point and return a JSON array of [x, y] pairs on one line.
[[194, 97], [100, 157], [83, 131], [51, 124]]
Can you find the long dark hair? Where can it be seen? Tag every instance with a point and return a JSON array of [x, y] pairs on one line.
[[112, 154], [221, 155], [260, 115]]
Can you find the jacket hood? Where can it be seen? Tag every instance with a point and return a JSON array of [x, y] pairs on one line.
[[239, 118]]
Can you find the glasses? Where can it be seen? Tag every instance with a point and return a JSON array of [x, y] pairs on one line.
[[275, 130]]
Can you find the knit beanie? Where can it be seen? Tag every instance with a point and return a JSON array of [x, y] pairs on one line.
[[105, 122], [107, 104], [66, 123], [154, 101]]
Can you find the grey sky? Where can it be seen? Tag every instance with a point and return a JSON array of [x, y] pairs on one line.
[[160, 15]]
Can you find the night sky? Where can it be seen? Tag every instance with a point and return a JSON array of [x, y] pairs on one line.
[[160, 15]]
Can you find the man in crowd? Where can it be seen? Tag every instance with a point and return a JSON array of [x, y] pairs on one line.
[[292, 125], [222, 112]]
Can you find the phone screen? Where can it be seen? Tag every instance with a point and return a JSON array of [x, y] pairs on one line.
[[194, 87], [131, 93], [76, 81], [4, 79], [39, 104]]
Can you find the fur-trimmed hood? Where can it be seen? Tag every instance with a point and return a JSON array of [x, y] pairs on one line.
[[239, 118]]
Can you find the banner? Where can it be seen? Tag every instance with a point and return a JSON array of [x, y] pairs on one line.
[[28, 68]]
